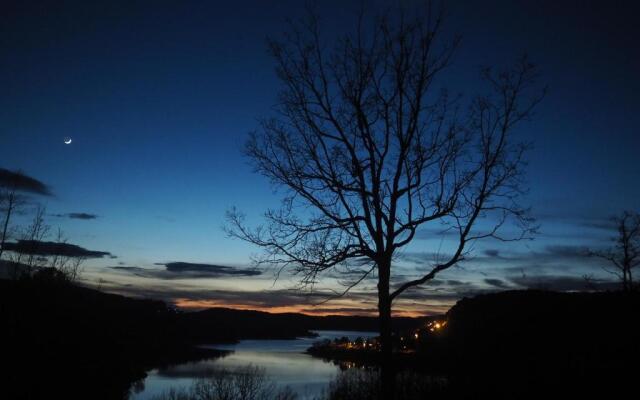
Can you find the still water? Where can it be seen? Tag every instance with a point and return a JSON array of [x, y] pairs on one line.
[[284, 361]]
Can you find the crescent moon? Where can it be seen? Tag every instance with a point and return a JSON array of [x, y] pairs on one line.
[[67, 140]]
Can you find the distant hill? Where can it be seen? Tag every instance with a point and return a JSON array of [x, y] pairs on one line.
[[526, 344], [244, 324], [584, 329], [65, 341]]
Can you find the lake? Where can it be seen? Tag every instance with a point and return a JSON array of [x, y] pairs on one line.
[[284, 361]]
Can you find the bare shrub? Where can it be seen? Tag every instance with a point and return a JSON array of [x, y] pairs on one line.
[[245, 383]]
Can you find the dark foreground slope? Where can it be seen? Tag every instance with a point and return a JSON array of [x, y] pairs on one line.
[[524, 344], [544, 329], [511, 345], [60, 340]]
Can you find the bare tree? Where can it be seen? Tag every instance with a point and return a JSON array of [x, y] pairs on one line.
[[69, 266], [624, 256], [35, 232], [34, 254], [10, 202], [14, 185], [369, 151]]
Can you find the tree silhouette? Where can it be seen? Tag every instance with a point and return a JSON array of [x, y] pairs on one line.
[[10, 202], [369, 151], [14, 188], [624, 256], [33, 233]]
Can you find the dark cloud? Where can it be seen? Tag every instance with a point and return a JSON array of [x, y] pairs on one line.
[[492, 253], [445, 296], [80, 215], [138, 271], [184, 270], [22, 183], [588, 220], [422, 258], [499, 283], [567, 251], [210, 269], [40, 248], [258, 299], [430, 299], [563, 283], [549, 257], [604, 224], [434, 232]]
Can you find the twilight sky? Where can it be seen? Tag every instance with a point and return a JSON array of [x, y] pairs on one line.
[[159, 96]]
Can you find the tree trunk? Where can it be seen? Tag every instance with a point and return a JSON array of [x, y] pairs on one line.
[[387, 373], [6, 223], [625, 279]]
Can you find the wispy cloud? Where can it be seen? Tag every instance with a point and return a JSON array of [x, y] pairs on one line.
[[563, 283]]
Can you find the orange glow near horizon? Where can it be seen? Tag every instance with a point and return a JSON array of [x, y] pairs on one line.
[[193, 305]]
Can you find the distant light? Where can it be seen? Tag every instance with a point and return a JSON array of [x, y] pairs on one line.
[[416, 335]]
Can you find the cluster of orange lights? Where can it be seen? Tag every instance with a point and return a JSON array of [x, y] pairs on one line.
[[432, 326], [354, 345], [436, 325]]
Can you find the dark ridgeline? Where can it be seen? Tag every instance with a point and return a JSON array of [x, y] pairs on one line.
[[247, 324], [63, 341], [59, 340], [511, 345], [526, 343]]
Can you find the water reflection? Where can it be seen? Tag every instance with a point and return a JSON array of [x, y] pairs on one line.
[[284, 361]]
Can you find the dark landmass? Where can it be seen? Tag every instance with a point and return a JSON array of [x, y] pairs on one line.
[[521, 344], [62, 340], [540, 342], [204, 326]]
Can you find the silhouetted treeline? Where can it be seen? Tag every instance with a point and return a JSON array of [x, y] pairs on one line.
[[203, 326]]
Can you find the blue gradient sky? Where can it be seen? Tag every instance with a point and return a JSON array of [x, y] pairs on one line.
[[159, 97]]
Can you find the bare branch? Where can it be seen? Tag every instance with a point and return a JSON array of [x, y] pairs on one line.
[[369, 152]]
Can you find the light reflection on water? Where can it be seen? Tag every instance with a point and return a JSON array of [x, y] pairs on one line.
[[284, 362]]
